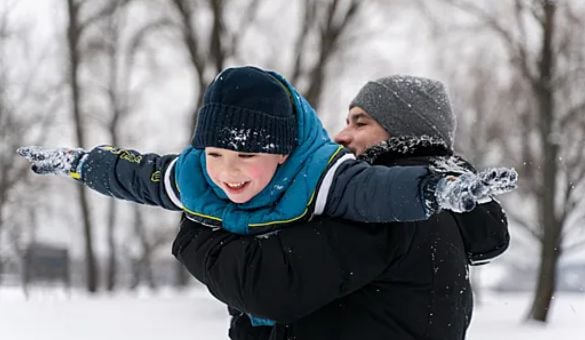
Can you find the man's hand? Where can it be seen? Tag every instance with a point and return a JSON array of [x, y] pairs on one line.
[[55, 161]]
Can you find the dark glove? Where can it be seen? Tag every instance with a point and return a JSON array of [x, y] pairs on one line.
[[55, 161]]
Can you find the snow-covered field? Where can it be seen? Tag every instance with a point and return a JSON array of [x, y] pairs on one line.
[[52, 315], [501, 316]]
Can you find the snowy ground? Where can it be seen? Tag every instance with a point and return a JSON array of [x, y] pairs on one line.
[[51, 315]]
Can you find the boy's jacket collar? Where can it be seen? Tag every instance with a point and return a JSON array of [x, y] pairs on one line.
[[396, 148]]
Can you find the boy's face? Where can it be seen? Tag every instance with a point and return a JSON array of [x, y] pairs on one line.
[[361, 132], [241, 175]]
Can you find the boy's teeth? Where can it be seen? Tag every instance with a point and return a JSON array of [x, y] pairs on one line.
[[235, 185]]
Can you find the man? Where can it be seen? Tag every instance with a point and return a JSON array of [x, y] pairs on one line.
[[334, 279]]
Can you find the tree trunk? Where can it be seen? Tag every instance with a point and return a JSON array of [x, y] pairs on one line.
[[73, 34], [546, 283], [551, 227], [181, 275], [1, 227], [112, 254], [91, 266], [145, 261], [117, 112], [331, 32], [4, 188]]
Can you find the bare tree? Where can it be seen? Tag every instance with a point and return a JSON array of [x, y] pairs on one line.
[[76, 27], [209, 48], [112, 46], [543, 42], [26, 107], [149, 243], [326, 21], [105, 45]]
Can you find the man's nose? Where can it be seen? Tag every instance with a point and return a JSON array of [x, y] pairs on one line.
[[343, 137]]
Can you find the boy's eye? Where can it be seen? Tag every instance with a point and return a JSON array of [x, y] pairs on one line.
[[246, 155], [359, 123], [213, 154]]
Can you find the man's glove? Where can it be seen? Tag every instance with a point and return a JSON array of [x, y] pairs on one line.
[[55, 161], [459, 189]]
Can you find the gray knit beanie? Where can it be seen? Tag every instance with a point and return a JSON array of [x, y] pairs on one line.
[[409, 106]]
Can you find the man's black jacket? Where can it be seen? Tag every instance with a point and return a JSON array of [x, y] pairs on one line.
[[333, 279]]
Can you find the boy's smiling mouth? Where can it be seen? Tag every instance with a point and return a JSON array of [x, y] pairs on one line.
[[235, 187]]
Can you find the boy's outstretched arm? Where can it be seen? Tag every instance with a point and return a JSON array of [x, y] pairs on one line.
[[372, 193], [119, 173]]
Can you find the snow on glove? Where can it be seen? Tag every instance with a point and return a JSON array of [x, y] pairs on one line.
[[55, 161], [456, 193], [461, 193], [448, 191], [499, 180]]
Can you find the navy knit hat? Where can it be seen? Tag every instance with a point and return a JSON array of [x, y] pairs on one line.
[[246, 109], [409, 106]]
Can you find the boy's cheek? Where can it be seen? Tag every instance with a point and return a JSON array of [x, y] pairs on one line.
[[261, 172], [254, 171], [212, 173]]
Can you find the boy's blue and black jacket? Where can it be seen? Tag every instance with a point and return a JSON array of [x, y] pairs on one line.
[[319, 177]]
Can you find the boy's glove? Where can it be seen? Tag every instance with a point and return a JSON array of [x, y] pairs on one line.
[[459, 189], [499, 180], [55, 161]]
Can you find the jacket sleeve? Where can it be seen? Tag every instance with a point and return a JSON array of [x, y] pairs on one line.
[[129, 175], [371, 193], [484, 231], [291, 272]]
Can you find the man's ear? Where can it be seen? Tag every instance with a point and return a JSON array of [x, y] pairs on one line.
[[282, 159]]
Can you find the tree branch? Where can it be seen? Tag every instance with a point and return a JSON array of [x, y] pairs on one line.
[[237, 35], [576, 206], [330, 34], [573, 113], [189, 36], [216, 48], [517, 50], [308, 20], [524, 226], [106, 11], [573, 247]]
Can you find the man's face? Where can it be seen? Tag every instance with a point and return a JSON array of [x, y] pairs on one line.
[[241, 175], [361, 132]]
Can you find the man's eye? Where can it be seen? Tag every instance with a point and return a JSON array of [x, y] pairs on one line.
[[359, 124]]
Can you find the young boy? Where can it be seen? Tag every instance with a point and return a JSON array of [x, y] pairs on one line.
[[261, 159]]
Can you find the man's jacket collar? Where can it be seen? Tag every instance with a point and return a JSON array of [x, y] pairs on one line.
[[398, 148]]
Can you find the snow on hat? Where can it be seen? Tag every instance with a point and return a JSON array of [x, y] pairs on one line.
[[409, 106], [248, 110]]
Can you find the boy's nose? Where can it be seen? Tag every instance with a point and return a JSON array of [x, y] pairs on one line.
[[230, 169]]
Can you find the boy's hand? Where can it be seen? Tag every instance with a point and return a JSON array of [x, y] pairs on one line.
[[461, 193], [499, 180], [55, 161]]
